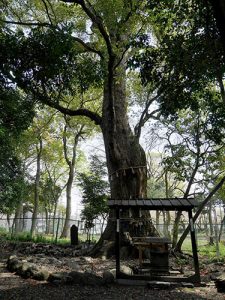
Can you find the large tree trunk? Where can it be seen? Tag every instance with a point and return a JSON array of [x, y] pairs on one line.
[[125, 157]]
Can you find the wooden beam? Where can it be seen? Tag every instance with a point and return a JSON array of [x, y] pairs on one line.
[[117, 242], [194, 246]]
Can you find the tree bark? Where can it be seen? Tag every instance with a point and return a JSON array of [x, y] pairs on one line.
[[211, 229], [222, 225], [125, 157], [71, 164], [36, 188], [216, 230], [66, 227], [157, 215], [47, 221], [219, 14], [19, 218], [126, 160]]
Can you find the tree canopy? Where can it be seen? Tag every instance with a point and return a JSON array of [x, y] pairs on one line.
[[79, 57]]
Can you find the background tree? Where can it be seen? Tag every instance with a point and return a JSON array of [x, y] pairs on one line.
[[95, 192], [92, 53], [50, 193], [80, 61], [77, 133], [16, 114]]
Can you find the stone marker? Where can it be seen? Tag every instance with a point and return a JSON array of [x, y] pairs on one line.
[[74, 235]]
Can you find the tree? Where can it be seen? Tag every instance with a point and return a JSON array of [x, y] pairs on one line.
[[33, 150], [16, 114], [219, 14], [77, 132], [186, 65], [103, 62], [95, 190], [91, 49], [49, 196]]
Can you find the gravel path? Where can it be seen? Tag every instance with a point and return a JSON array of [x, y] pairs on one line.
[[15, 288]]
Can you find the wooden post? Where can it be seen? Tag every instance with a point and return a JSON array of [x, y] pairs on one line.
[[194, 246], [117, 242]]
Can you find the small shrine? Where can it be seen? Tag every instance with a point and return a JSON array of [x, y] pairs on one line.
[[157, 267]]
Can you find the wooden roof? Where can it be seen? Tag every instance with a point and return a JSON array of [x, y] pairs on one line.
[[156, 204]]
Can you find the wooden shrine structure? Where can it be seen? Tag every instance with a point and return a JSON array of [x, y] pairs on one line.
[[158, 246]]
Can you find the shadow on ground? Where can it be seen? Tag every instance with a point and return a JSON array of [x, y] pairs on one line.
[[20, 289]]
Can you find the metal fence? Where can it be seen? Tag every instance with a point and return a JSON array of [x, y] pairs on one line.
[[205, 234], [52, 227]]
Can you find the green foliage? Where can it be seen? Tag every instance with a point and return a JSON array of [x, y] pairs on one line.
[[49, 193], [95, 191], [185, 62], [180, 60], [47, 59], [16, 113], [26, 237], [190, 151]]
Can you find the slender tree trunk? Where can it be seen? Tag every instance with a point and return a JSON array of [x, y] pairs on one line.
[[222, 225], [166, 224], [206, 225], [8, 221], [157, 220], [216, 230], [71, 164], [54, 218], [19, 218], [200, 208], [36, 188], [166, 215], [176, 228], [211, 231], [47, 221], [66, 227], [192, 177]]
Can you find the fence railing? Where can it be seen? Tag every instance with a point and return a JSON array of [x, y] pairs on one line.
[[51, 226]]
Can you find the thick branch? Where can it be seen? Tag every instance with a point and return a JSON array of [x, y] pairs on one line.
[[145, 116], [65, 145], [26, 23], [78, 112], [76, 140], [87, 47], [222, 90], [197, 163], [91, 13], [47, 12]]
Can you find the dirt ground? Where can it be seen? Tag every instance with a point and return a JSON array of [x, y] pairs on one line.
[[14, 287]]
